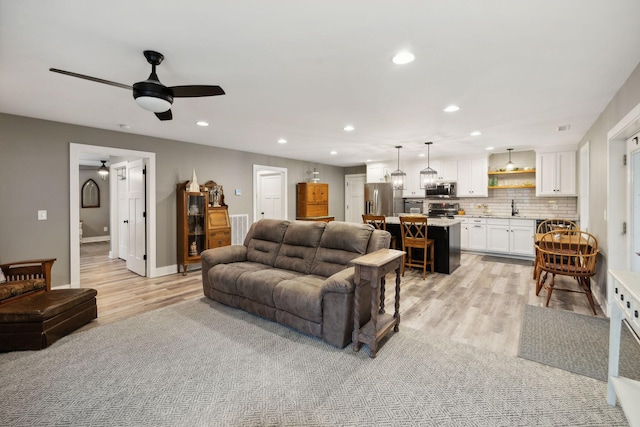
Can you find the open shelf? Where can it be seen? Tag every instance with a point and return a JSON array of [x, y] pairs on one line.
[[511, 186], [512, 172]]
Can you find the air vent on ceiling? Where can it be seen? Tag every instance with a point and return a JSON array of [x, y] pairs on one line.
[[563, 128]]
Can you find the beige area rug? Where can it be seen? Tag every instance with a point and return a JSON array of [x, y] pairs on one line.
[[199, 363], [575, 342]]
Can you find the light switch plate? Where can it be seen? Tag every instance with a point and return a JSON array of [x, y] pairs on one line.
[[42, 215], [238, 192]]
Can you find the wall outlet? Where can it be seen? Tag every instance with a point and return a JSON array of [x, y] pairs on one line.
[[106, 229], [42, 215]]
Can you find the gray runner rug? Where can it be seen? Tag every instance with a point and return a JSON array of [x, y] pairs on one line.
[[575, 342], [199, 363]]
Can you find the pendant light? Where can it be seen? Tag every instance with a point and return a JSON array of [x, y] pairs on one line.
[[510, 164], [428, 176], [103, 170], [398, 178]]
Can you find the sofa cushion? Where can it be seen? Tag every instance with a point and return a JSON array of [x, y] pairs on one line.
[[265, 241], [258, 285], [299, 246], [341, 242], [224, 277], [301, 297]]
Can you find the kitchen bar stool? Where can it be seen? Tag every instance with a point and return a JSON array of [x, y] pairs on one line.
[[380, 223], [414, 235]]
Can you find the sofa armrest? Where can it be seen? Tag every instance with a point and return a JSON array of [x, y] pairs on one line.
[[340, 282], [223, 255]]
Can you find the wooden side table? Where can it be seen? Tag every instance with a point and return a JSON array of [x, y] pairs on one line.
[[371, 269]]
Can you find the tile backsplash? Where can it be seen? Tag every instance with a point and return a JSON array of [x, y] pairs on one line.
[[526, 202]]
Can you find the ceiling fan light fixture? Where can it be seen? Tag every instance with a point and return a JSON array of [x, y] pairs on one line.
[[153, 104]]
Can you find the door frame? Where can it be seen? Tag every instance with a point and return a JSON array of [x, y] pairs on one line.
[[617, 209], [349, 179], [114, 215], [149, 159], [264, 170]]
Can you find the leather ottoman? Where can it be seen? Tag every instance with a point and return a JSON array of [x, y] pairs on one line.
[[37, 321]]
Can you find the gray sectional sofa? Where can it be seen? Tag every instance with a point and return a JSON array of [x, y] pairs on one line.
[[296, 273]]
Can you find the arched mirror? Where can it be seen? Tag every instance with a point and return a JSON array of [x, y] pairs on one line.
[[90, 194]]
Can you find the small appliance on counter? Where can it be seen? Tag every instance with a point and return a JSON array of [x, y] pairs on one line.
[[443, 210], [413, 206]]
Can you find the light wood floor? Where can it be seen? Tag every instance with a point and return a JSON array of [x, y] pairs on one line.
[[480, 304]]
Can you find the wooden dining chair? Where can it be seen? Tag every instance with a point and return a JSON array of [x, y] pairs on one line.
[[380, 223], [414, 235], [552, 225], [571, 253]]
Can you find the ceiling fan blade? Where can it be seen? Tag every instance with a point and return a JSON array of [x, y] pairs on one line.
[[193, 91], [165, 115], [93, 79]]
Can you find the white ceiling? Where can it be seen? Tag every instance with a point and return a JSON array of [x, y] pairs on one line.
[[302, 70]]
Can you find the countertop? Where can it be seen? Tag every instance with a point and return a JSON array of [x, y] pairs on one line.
[[436, 222], [498, 216]]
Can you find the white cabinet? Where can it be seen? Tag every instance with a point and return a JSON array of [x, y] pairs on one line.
[[522, 237], [377, 171], [472, 178], [413, 180], [477, 234], [556, 174], [498, 235], [511, 236], [447, 170], [464, 233]]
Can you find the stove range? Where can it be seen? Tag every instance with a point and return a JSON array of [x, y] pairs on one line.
[[443, 210]]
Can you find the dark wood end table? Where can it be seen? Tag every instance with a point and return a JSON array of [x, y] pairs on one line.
[[371, 269]]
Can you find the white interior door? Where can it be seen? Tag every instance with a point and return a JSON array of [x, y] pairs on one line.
[[270, 195], [269, 192], [354, 197], [136, 242]]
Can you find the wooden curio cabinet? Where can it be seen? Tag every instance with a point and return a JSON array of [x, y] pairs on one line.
[[192, 225], [313, 200]]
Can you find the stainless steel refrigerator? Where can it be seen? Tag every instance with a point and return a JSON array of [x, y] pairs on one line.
[[381, 199]]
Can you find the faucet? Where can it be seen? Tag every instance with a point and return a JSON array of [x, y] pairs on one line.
[[514, 211]]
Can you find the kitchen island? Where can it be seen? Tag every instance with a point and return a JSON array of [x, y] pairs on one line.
[[446, 234]]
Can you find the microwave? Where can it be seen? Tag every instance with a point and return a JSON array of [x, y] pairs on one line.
[[443, 190]]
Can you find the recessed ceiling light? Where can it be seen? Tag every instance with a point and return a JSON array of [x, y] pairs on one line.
[[489, 148], [421, 155], [333, 153], [368, 160], [403, 57], [451, 109], [348, 128], [282, 141], [202, 123], [476, 133]]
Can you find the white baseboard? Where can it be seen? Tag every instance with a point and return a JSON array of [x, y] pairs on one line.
[[95, 239]]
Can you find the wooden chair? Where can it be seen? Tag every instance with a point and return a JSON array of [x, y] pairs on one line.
[[571, 253], [552, 225], [380, 223], [414, 235], [25, 278]]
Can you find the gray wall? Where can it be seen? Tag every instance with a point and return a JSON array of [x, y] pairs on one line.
[[621, 104], [34, 174], [94, 219]]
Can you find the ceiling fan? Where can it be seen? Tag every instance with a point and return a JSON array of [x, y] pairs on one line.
[[152, 95]]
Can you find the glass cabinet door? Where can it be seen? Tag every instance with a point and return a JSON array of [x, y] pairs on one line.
[[196, 209]]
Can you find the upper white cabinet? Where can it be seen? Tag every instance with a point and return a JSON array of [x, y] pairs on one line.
[[556, 174], [377, 171], [413, 180], [447, 170], [472, 178]]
